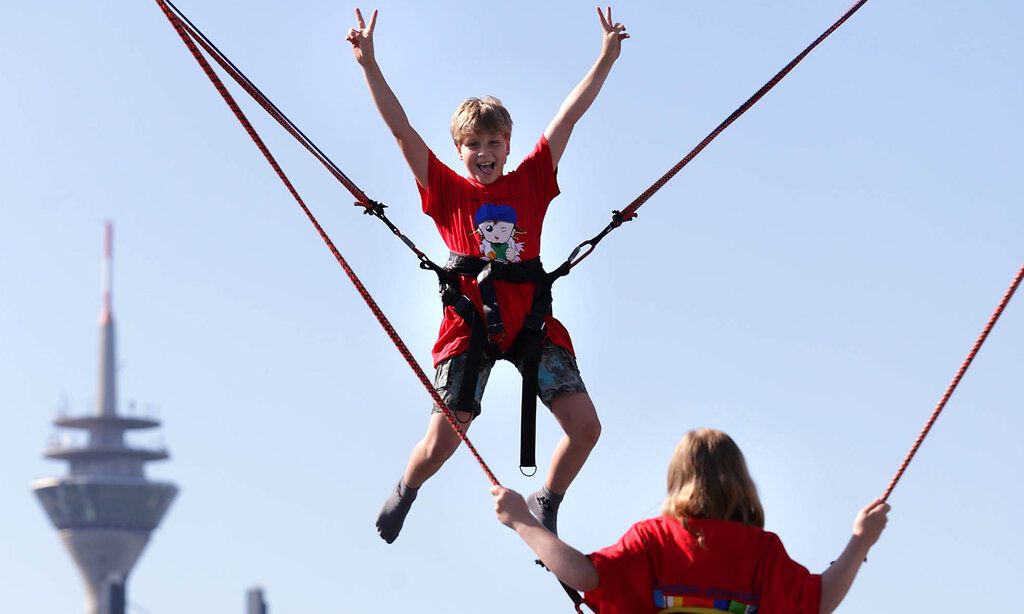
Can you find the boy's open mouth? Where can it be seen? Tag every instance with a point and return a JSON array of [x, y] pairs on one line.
[[487, 168]]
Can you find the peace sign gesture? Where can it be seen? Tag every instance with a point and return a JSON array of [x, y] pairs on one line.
[[614, 33], [362, 38]]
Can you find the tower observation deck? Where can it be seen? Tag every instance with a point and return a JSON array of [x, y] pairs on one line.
[[105, 507]]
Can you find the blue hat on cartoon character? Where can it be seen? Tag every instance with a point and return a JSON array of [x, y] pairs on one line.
[[492, 212]]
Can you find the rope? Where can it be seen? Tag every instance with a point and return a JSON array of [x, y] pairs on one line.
[[956, 380], [183, 23], [627, 214], [184, 33], [370, 206], [630, 211]]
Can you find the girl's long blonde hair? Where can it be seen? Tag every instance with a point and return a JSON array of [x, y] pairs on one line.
[[708, 478]]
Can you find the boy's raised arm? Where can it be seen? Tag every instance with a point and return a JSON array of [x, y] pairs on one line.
[[409, 141], [580, 99]]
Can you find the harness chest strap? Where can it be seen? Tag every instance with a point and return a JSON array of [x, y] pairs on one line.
[[488, 331]]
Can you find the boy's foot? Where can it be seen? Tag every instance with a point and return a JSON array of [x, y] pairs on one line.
[[392, 515], [544, 505]]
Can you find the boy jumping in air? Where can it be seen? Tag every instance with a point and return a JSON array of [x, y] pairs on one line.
[[495, 217]]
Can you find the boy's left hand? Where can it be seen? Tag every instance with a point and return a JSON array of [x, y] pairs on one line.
[[614, 34]]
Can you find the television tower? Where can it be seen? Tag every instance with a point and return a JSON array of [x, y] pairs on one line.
[[105, 508]]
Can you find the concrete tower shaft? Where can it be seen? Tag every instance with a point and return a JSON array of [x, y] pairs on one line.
[[105, 508]]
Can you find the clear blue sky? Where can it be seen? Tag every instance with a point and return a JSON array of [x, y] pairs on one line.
[[809, 284]]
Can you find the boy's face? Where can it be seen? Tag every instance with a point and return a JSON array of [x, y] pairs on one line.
[[484, 154]]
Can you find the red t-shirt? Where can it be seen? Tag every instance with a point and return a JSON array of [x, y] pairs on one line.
[[658, 566], [500, 221]]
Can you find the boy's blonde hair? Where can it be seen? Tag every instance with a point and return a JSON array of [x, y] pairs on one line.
[[479, 115], [708, 478]]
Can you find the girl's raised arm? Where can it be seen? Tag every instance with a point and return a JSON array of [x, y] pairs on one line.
[[837, 579]]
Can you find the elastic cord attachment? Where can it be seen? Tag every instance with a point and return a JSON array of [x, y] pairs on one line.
[[376, 209], [371, 207], [618, 219]]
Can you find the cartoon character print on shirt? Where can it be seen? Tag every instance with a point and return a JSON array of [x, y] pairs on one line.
[[496, 226]]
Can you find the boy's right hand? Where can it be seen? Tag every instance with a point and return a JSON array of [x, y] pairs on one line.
[[362, 38], [871, 521]]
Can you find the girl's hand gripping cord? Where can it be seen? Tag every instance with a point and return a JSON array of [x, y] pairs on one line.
[[837, 579], [510, 507], [567, 563], [871, 521]]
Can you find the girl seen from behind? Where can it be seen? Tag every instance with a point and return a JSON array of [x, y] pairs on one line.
[[707, 552]]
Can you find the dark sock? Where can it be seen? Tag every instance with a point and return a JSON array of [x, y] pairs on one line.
[[544, 505], [392, 515]]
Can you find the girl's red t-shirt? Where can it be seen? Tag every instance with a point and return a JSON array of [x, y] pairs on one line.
[[658, 565]]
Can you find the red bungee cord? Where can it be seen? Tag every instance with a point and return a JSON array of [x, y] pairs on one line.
[[956, 380], [183, 32], [627, 214]]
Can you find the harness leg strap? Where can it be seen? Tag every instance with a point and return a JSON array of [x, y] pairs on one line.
[[528, 426], [466, 400], [529, 343]]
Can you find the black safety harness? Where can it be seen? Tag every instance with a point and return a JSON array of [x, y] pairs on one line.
[[487, 331]]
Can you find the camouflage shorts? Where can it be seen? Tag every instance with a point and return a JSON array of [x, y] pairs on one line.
[[557, 374]]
